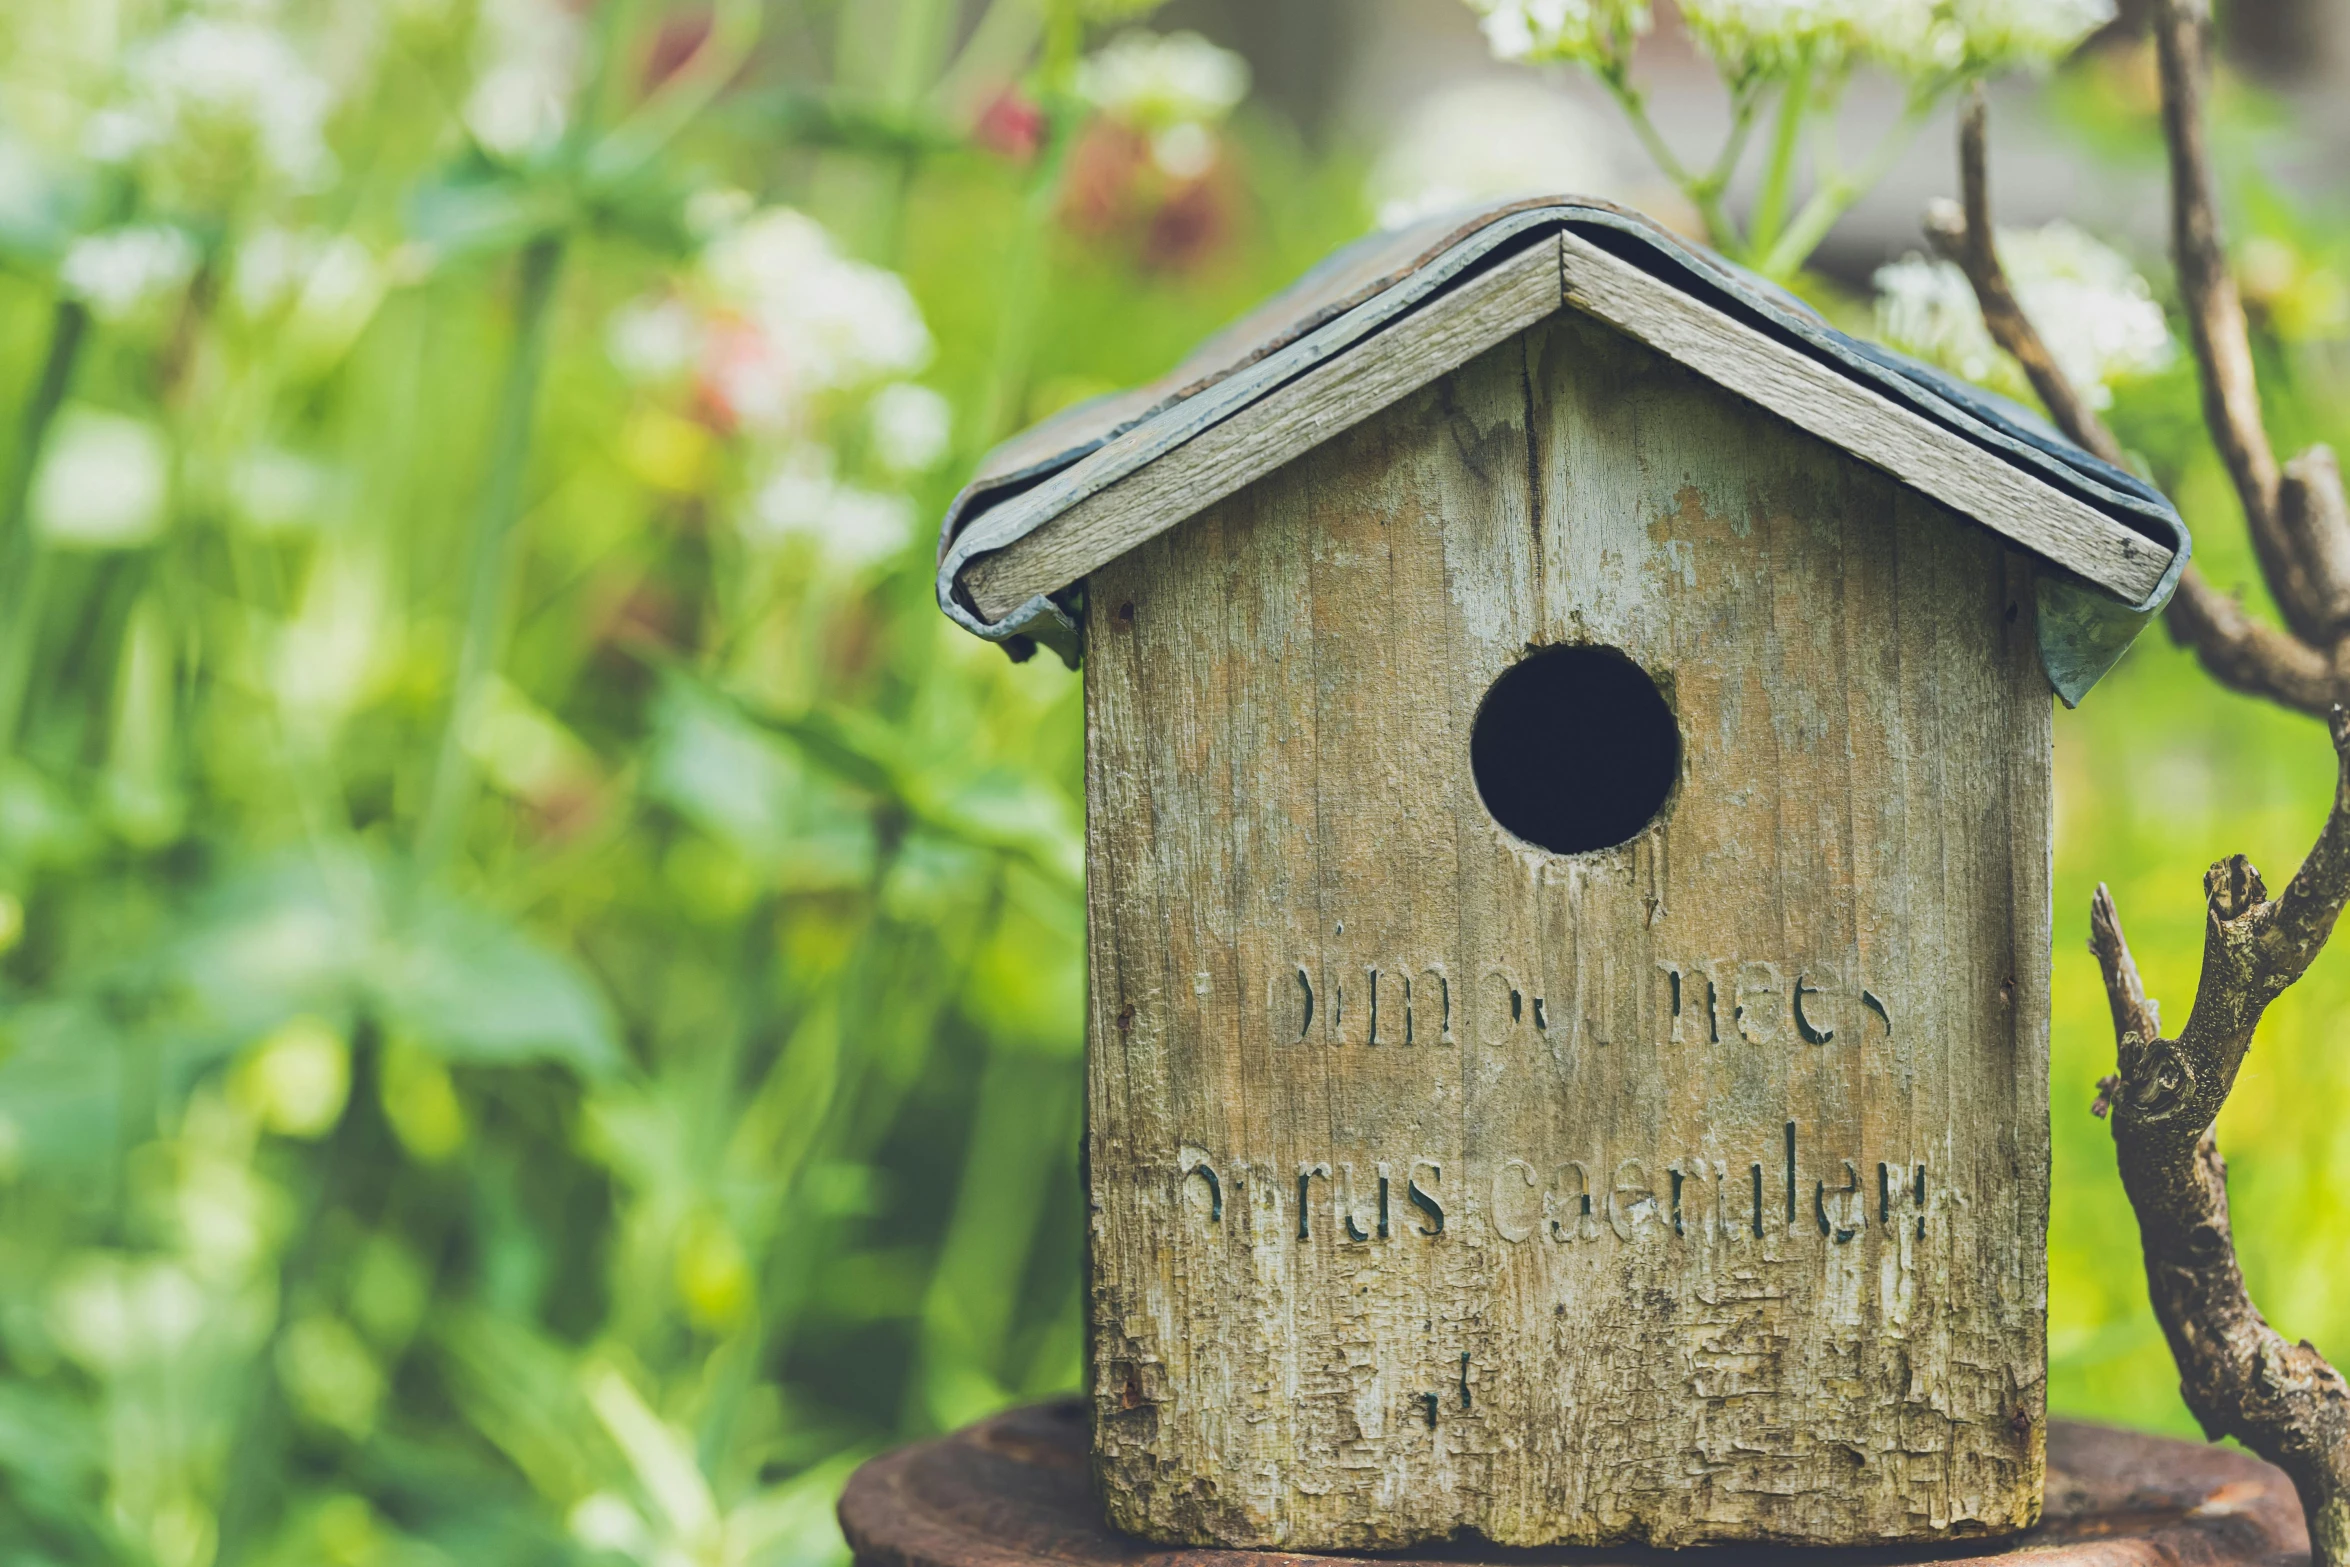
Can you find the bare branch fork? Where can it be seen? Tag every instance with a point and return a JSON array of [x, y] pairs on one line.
[[2239, 1375], [2298, 518]]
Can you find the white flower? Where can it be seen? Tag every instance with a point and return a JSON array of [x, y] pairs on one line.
[[30, 198], [110, 1312], [1769, 36], [850, 527], [116, 136], [207, 80], [119, 272], [1486, 141], [911, 426], [1153, 83], [1918, 39], [1927, 39], [530, 54], [102, 482], [654, 340], [1584, 30], [1185, 151], [828, 321], [2096, 314], [2005, 33], [1926, 309], [604, 1522]]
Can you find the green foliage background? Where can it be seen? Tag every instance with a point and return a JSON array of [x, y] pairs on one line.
[[584, 1132]]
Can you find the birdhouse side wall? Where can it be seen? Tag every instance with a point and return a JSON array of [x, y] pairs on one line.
[[1689, 1190]]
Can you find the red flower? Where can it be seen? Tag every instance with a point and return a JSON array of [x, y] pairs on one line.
[[1011, 126]]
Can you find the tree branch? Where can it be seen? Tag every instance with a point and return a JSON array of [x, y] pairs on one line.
[[2238, 651], [2239, 1375], [1964, 235], [2215, 314], [2316, 525], [2248, 655]]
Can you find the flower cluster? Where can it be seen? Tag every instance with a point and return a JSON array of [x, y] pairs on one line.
[[1591, 32], [800, 350], [2099, 319], [529, 59], [1750, 37], [214, 100], [1930, 40], [2001, 34], [807, 319], [123, 272], [1919, 39], [1175, 90]]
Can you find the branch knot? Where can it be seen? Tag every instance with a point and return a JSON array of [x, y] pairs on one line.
[[2233, 888]]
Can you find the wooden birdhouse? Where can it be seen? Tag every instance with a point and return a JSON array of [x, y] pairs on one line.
[[1568, 829]]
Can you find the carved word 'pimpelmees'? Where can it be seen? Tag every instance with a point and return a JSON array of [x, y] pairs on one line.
[[1711, 1001]]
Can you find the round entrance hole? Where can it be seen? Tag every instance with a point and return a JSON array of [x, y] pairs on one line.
[[1575, 749]]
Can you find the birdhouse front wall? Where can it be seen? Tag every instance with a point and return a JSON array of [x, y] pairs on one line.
[[1689, 1189]]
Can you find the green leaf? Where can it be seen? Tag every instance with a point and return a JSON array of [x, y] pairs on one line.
[[479, 210], [298, 935], [472, 987], [846, 123], [732, 779], [61, 1087]]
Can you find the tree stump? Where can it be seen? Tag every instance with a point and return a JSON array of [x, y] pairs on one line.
[[1014, 1491]]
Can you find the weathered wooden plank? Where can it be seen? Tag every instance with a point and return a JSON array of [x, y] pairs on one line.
[[1331, 397], [1816, 398], [1839, 926]]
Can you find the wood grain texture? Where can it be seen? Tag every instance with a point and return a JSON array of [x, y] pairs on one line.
[[1331, 397], [1816, 398], [1847, 895]]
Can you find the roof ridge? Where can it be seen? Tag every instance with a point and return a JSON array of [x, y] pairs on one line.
[[1050, 500]]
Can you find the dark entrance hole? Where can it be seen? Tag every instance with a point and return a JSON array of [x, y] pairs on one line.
[[1575, 749]]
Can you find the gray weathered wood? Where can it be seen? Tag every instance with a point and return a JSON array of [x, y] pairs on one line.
[[1279, 694], [1333, 396], [1816, 398], [1151, 479]]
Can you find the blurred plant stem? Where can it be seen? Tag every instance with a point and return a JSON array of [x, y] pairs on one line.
[[1835, 193], [992, 54], [443, 822], [1770, 203], [24, 562], [733, 32], [1025, 263], [1707, 189]]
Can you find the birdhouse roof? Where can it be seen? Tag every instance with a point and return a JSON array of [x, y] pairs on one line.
[[1391, 313]]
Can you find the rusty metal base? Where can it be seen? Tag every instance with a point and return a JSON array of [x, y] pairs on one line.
[[1013, 1491]]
